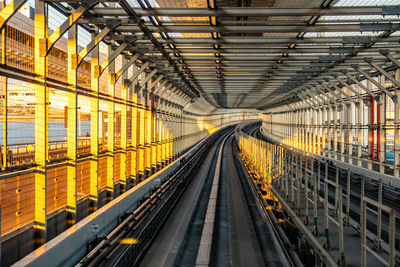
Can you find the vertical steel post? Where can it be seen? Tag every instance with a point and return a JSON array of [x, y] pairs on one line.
[[318, 188], [292, 179], [72, 122], [163, 132], [327, 244], [359, 135], [134, 130], [159, 134], [306, 191], [350, 132], [124, 117], [5, 104], [147, 132], [299, 177], [382, 130], [342, 131], [335, 137], [371, 132], [153, 135], [329, 130], [110, 126], [5, 94], [94, 123], [322, 130], [316, 180], [363, 221], [378, 239], [338, 194], [287, 161], [396, 129], [392, 238], [361, 225], [348, 198], [140, 133], [41, 120], [342, 259]]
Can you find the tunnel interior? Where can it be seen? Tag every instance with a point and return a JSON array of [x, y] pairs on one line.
[[99, 97]]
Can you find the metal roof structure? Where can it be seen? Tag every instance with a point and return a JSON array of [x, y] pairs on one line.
[[257, 54]]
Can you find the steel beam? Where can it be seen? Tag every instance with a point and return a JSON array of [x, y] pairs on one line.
[[138, 72], [110, 26], [348, 87], [365, 27], [390, 57], [126, 65], [382, 88], [358, 83], [253, 12], [9, 10], [111, 57], [145, 80], [341, 91], [69, 22], [381, 70]]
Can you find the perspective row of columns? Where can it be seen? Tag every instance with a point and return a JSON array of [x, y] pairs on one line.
[[335, 128]]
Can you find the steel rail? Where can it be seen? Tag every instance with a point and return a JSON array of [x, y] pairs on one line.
[[282, 243]]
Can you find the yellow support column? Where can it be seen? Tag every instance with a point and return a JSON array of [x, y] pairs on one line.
[[173, 132], [72, 125], [140, 136], [124, 90], [167, 133], [94, 126], [133, 135], [174, 142], [159, 134], [147, 137], [5, 95], [41, 122], [163, 132], [110, 128], [153, 137]]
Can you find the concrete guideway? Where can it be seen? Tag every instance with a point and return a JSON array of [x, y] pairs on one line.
[[221, 232]]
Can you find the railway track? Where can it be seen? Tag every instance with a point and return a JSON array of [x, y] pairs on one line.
[[211, 212], [208, 213], [229, 227], [126, 244]]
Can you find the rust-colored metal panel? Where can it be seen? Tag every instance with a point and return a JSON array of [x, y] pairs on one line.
[[17, 205], [83, 179], [56, 188]]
